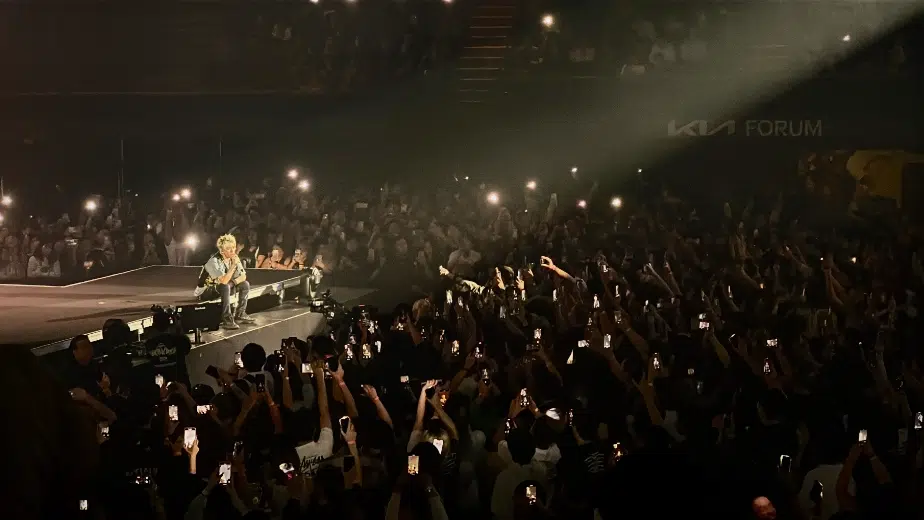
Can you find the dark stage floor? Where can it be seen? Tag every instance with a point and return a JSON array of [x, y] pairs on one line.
[[37, 315]]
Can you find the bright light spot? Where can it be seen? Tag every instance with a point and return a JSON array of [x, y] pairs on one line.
[[531, 185], [90, 205], [315, 1], [466, 177], [303, 185], [1, 217], [574, 169], [185, 193], [447, 1], [176, 197], [493, 197], [149, 226], [582, 204], [293, 173], [640, 170], [548, 21], [616, 202], [192, 241], [6, 200], [846, 38]]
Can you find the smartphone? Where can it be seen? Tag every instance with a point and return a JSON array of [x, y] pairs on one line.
[[478, 353], [503, 312], [537, 334], [236, 450], [618, 318], [699, 388], [143, 480], [607, 341], [570, 358], [104, 430], [570, 417], [509, 424], [455, 347], [766, 366], [703, 325], [261, 382], [691, 371], [378, 348], [212, 371], [449, 295], [287, 469], [367, 352], [306, 368], [203, 409], [524, 398], [189, 437], [438, 443], [918, 420], [224, 473], [861, 437], [84, 505], [344, 423], [159, 380], [617, 451], [485, 376], [237, 360], [656, 361], [817, 492], [405, 379], [596, 302], [413, 464], [772, 343], [531, 494], [554, 295], [582, 343], [173, 413], [444, 397], [785, 463]]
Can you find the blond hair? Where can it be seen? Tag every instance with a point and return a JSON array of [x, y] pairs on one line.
[[226, 242]]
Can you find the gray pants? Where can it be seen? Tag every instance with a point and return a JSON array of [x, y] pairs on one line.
[[224, 291]]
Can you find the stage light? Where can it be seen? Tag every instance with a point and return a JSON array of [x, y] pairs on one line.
[[6, 200], [91, 205], [303, 185], [186, 193], [192, 241], [548, 21], [846, 38], [493, 198], [447, 1], [466, 177], [640, 170], [293, 174], [616, 202], [574, 169], [582, 204], [531, 185], [176, 197]]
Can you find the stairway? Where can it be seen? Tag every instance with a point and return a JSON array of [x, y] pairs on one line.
[[481, 62]]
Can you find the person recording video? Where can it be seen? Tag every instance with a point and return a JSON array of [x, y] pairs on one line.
[[223, 275]]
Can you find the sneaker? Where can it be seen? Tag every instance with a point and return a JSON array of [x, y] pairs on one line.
[[228, 324], [245, 319]]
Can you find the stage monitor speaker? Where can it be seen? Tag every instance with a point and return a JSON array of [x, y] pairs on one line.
[[199, 316]]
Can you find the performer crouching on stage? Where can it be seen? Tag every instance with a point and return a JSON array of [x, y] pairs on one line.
[[223, 275]]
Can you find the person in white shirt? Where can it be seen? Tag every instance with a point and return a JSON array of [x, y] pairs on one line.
[[523, 467], [312, 454], [827, 474], [462, 260], [41, 265]]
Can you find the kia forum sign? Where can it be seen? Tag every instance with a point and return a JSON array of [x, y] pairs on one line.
[[746, 128]]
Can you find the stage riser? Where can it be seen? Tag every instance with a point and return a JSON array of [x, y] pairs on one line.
[[221, 352]]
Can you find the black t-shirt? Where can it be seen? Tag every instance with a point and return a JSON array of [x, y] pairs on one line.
[[167, 353], [83, 376]]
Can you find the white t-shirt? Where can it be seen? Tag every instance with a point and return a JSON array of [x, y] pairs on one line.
[[312, 454], [461, 261], [507, 482], [548, 457], [827, 475]]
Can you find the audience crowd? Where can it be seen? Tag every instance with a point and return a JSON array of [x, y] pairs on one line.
[[555, 355], [636, 38]]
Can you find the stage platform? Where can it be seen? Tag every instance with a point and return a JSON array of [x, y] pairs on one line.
[[42, 317]]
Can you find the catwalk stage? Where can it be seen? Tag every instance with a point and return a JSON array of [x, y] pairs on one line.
[[44, 318]]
